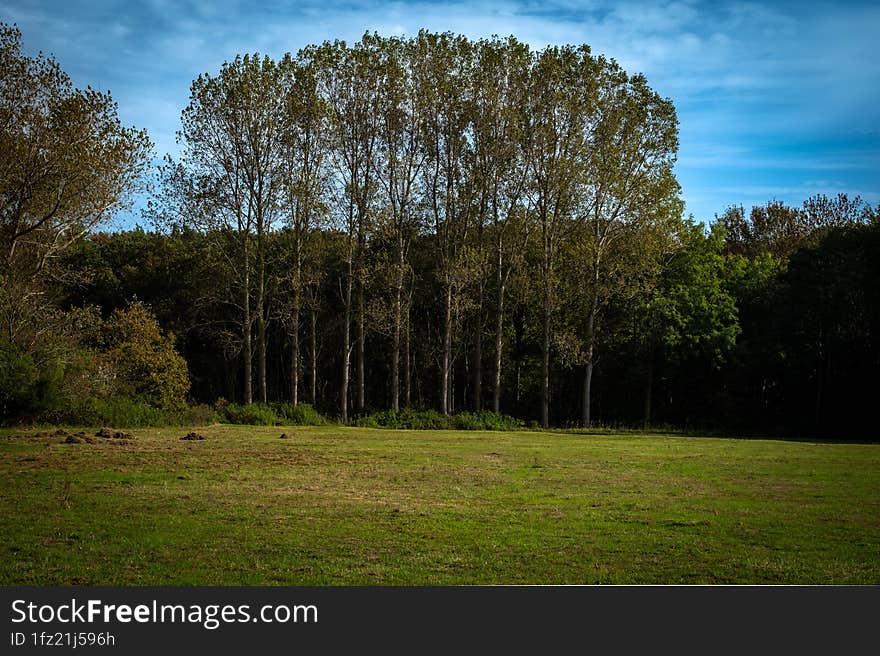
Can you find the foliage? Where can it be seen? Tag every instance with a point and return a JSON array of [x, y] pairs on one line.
[[432, 420], [144, 359], [126, 412], [253, 414], [67, 164], [695, 312], [270, 414], [486, 420], [18, 378], [414, 212], [301, 414]]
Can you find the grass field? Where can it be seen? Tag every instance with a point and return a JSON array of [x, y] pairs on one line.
[[334, 506]]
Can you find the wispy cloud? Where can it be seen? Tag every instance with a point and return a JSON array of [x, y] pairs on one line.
[[769, 95]]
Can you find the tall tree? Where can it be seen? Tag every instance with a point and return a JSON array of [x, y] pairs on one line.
[[499, 82], [629, 191], [690, 314], [399, 163], [348, 83], [556, 111], [232, 137], [446, 62], [67, 165], [304, 182]]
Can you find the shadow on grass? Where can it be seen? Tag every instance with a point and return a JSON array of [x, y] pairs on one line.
[[673, 431]]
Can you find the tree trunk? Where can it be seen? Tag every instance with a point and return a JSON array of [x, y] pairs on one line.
[[820, 371], [346, 343], [518, 380], [246, 329], [649, 389], [407, 380], [586, 419], [294, 352], [499, 341], [361, 376], [478, 358], [314, 338], [447, 354], [395, 347], [545, 365], [261, 350], [261, 322]]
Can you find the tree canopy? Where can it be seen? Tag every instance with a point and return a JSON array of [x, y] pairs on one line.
[[377, 225]]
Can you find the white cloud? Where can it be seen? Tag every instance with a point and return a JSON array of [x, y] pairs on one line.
[[752, 81]]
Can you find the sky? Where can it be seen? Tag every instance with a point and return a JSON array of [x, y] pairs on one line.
[[775, 100]]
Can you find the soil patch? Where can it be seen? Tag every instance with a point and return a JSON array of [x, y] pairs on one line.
[[79, 438], [109, 433]]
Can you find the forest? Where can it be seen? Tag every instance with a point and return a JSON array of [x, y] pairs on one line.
[[414, 229]]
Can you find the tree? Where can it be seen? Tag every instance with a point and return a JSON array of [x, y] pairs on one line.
[[399, 163], [821, 212], [690, 314], [828, 309], [629, 193], [499, 85], [774, 228], [67, 165], [144, 360], [18, 378], [228, 182], [303, 171], [556, 110], [348, 82], [446, 61]]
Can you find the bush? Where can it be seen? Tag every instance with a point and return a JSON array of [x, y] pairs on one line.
[[144, 359], [406, 419], [486, 420], [118, 411], [126, 412], [302, 414], [255, 414], [196, 415], [18, 377], [433, 420]]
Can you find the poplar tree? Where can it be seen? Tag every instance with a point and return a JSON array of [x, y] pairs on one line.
[[232, 137]]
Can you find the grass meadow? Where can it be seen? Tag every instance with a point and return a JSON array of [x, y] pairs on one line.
[[355, 506]]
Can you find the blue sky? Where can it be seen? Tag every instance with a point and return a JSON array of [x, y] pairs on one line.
[[775, 99]]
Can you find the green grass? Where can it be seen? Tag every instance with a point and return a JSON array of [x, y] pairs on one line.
[[335, 505]]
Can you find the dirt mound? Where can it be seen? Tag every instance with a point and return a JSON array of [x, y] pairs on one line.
[[79, 438], [109, 433], [193, 436]]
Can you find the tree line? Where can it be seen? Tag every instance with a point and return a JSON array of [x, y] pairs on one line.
[[427, 222], [475, 155]]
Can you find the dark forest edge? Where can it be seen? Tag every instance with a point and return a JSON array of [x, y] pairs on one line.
[[427, 223]]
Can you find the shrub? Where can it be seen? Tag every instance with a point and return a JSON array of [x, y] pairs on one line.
[[18, 377], [144, 359], [302, 414], [433, 420], [406, 419], [118, 411], [126, 412], [486, 420], [255, 414], [196, 415]]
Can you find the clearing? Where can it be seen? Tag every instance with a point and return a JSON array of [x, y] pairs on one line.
[[353, 506]]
